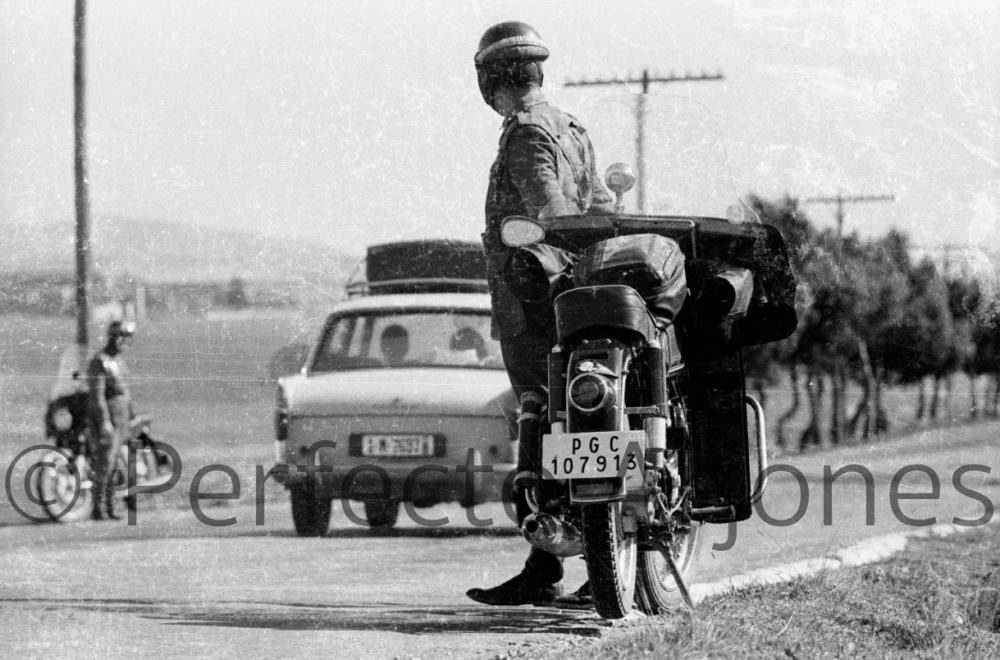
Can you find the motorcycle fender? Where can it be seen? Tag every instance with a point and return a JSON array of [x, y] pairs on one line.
[[596, 491]]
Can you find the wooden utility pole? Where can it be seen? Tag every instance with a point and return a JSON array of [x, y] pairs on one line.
[[640, 113], [840, 199], [80, 170], [838, 430]]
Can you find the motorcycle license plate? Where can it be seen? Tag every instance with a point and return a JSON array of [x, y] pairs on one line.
[[395, 445], [593, 455]]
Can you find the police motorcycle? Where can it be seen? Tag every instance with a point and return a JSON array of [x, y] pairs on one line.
[[646, 430], [63, 480]]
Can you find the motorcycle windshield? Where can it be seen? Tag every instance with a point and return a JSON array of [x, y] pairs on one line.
[[684, 185], [675, 145]]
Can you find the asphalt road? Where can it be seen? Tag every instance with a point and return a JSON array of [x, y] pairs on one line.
[[173, 586]]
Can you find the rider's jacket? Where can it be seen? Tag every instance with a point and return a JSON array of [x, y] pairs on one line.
[[545, 166], [107, 391]]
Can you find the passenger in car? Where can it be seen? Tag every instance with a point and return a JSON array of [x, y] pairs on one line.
[[468, 342], [395, 344]]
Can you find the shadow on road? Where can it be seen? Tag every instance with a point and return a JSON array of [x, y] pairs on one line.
[[386, 617], [363, 532]]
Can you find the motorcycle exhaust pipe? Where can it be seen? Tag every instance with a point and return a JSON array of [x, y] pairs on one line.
[[546, 532]]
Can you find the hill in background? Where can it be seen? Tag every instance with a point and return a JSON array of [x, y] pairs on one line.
[[160, 251]]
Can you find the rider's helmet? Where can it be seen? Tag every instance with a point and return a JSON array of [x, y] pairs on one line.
[[123, 329], [509, 54]]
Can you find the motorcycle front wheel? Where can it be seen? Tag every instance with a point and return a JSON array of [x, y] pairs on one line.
[[64, 488], [611, 557], [656, 589]]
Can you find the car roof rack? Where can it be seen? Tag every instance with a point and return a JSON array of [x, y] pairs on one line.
[[416, 285], [420, 266]]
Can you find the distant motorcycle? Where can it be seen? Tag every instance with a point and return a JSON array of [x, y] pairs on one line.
[[64, 480], [646, 401]]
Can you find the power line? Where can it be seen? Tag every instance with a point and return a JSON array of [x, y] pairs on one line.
[[640, 113]]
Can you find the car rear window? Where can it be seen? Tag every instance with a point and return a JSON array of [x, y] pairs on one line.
[[406, 339]]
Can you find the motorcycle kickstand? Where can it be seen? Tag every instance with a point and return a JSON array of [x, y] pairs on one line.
[[675, 572]]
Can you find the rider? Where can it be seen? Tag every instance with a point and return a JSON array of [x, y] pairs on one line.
[[109, 409], [544, 166]]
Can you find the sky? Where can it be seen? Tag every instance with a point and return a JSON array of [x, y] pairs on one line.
[[355, 123]]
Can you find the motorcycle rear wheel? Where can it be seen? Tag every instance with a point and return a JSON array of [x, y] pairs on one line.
[[656, 589], [64, 493], [611, 557]]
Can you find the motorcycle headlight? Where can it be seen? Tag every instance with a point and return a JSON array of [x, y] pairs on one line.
[[519, 230], [62, 420]]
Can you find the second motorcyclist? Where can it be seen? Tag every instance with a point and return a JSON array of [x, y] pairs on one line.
[[109, 411], [545, 166]]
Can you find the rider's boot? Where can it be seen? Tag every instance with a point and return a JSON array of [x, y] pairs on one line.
[[538, 583], [581, 599]]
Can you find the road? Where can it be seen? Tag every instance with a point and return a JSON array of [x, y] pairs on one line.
[[171, 586]]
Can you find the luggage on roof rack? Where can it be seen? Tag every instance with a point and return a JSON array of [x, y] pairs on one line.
[[421, 266]]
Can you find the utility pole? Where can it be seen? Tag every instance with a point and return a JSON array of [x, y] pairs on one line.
[[840, 199], [80, 171], [838, 425], [640, 113]]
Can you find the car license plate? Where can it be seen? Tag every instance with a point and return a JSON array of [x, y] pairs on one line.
[[397, 445], [594, 455]]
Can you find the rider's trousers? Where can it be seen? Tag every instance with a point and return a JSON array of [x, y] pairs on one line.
[[104, 452], [526, 357]]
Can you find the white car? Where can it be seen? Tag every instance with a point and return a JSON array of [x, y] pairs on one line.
[[400, 396]]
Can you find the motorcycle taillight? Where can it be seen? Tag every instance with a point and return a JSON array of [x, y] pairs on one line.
[[591, 392]]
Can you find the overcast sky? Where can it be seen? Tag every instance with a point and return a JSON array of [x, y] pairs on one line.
[[359, 122]]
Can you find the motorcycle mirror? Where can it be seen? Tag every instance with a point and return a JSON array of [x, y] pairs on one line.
[[619, 178], [741, 214], [520, 230]]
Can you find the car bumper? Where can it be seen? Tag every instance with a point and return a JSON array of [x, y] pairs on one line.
[[424, 484]]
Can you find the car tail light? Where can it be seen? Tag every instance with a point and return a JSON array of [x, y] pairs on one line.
[[280, 425], [281, 415]]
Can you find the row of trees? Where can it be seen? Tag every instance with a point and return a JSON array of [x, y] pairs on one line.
[[872, 315]]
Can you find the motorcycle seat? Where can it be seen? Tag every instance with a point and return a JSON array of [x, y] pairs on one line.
[[606, 306]]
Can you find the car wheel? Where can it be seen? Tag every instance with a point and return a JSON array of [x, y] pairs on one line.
[[382, 513], [310, 512]]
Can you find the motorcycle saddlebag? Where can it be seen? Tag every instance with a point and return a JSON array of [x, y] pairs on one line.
[[651, 264]]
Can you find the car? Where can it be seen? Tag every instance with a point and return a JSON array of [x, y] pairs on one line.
[[403, 397]]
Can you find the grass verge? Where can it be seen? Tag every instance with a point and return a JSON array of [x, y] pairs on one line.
[[938, 598]]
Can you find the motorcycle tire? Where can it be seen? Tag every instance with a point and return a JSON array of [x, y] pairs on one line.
[[310, 511], [64, 493], [656, 589], [164, 464], [612, 557]]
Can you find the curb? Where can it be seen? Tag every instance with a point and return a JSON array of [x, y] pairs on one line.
[[867, 551]]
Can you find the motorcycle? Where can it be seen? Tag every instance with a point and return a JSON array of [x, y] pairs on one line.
[[648, 434], [64, 483]]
